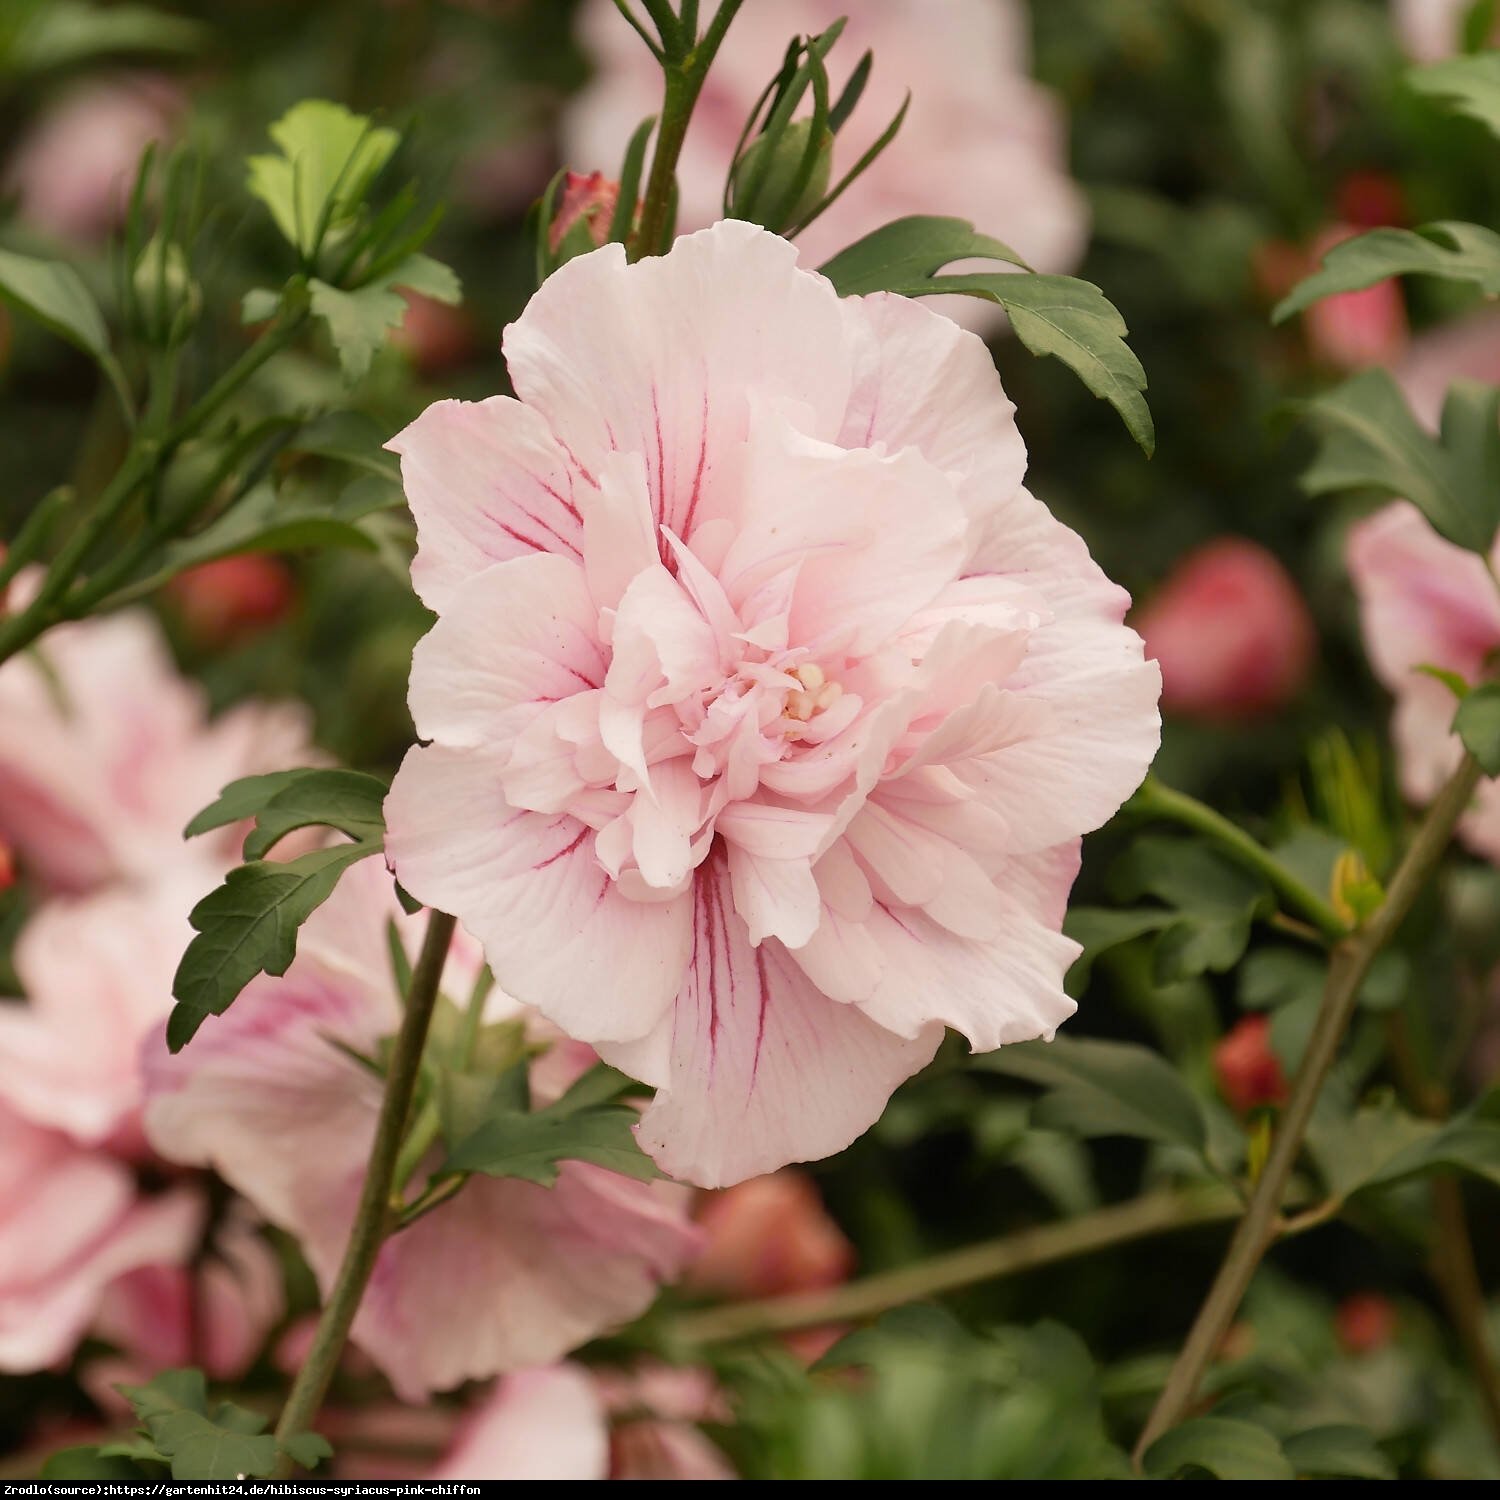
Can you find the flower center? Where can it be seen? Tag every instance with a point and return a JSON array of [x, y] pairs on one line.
[[816, 694]]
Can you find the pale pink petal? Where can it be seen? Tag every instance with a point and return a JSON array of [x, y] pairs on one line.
[[511, 640], [486, 483], [762, 1069], [69, 1225], [660, 358], [558, 934], [536, 1424]]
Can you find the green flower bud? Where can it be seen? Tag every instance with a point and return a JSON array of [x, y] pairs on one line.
[[167, 299], [778, 164]]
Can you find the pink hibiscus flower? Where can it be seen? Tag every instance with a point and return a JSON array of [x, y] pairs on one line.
[[106, 752], [1425, 602], [71, 1221], [505, 1274], [766, 706], [1000, 136]]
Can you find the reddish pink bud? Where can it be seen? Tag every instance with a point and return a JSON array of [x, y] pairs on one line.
[[591, 199], [1369, 199], [227, 600], [7, 867], [1364, 1322], [433, 335], [1248, 1071], [1230, 631], [1356, 330], [767, 1236]]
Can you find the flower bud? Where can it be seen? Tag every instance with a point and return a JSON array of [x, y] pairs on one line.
[[1247, 1070], [7, 867], [225, 601], [778, 163], [582, 220], [433, 335], [768, 1236], [167, 299], [1364, 1322], [1355, 892], [1230, 632]]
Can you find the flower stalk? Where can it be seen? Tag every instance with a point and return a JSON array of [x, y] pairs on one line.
[[1350, 962], [375, 1219]]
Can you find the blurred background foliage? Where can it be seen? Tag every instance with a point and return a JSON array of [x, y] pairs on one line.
[[1210, 136]]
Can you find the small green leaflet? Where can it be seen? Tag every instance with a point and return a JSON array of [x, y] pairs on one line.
[[1220, 1446], [1105, 1088], [248, 926], [1477, 724], [283, 801], [199, 1441], [1340, 1450], [1453, 251], [53, 293], [584, 1125], [1372, 441], [1057, 315], [329, 156], [359, 320], [1467, 85]]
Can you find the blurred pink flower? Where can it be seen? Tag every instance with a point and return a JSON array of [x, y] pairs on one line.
[[215, 1314], [1468, 348], [768, 1236], [506, 1274], [1355, 330], [71, 1221], [1431, 29], [555, 1423], [73, 169], [106, 752], [1231, 633], [767, 706], [999, 136], [1426, 602], [433, 335], [232, 598], [97, 972]]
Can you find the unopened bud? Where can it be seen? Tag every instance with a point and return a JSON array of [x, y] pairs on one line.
[[1355, 892], [768, 173], [7, 867], [582, 220], [1248, 1071], [167, 299]]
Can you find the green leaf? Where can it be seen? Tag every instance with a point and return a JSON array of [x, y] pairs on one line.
[[53, 293], [1338, 1451], [1451, 250], [242, 799], [1225, 1448], [1215, 903], [63, 33], [1467, 85], [359, 321], [1470, 1142], [1105, 1088], [1057, 315], [910, 250], [307, 1448], [350, 437], [225, 1442], [1355, 1150], [91, 1464], [1477, 724], [510, 1142], [329, 156], [1100, 928], [351, 801], [1372, 441], [248, 926]]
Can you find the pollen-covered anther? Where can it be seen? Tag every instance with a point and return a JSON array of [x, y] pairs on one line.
[[815, 694]]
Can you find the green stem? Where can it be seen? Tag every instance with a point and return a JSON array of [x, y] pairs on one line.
[[1155, 799], [373, 1220], [685, 68], [1155, 1213], [1349, 963], [1457, 1279], [146, 458]]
